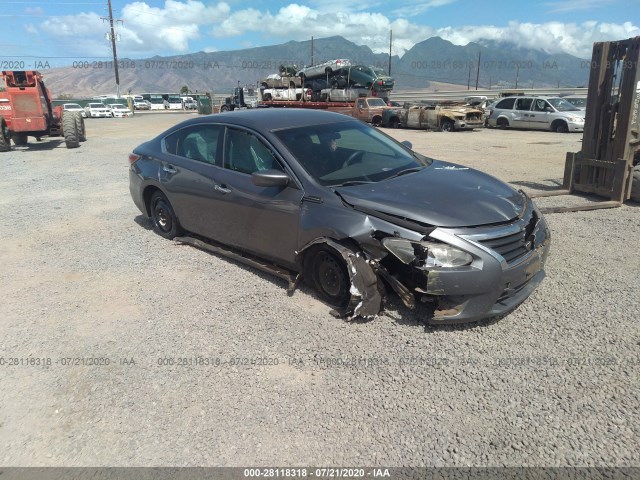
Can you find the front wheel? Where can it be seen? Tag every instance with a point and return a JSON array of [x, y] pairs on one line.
[[561, 127], [165, 221], [70, 130], [82, 134], [446, 126], [329, 276], [20, 139]]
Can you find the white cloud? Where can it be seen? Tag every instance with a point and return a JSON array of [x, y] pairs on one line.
[[573, 5], [145, 29], [174, 27], [420, 7], [553, 37], [35, 11]]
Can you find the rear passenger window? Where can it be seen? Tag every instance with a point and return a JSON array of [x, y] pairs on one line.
[[506, 104], [199, 143], [524, 103]]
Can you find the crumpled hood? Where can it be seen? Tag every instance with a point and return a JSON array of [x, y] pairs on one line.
[[442, 194]]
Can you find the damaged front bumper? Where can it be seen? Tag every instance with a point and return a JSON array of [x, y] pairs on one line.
[[508, 265]]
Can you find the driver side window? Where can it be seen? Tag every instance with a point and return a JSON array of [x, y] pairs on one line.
[[245, 153], [542, 106]]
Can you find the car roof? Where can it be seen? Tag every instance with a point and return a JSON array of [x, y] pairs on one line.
[[275, 118]]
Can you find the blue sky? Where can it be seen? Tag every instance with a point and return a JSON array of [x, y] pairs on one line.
[[60, 32]]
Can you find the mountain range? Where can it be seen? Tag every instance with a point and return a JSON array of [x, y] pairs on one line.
[[432, 60]]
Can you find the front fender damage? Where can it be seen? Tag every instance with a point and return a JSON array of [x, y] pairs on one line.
[[367, 290]]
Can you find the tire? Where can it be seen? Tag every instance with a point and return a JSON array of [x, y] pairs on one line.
[[165, 222], [5, 136], [635, 184], [561, 127], [82, 134], [502, 123], [224, 108], [446, 126], [267, 96], [329, 276], [20, 139], [394, 123], [70, 130]]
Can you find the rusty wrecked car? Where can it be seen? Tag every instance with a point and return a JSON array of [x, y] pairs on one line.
[[443, 117], [318, 196]]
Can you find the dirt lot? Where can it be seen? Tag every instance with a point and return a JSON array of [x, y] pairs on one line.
[[269, 379]]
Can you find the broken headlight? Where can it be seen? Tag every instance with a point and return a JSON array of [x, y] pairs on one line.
[[428, 254]]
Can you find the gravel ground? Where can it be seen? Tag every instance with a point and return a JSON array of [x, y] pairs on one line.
[[555, 383]]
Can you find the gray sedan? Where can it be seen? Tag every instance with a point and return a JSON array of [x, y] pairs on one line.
[[318, 196]]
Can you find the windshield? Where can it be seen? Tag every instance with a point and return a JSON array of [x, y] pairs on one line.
[[578, 102], [349, 152], [379, 72], [96, 105], [71, 105], [562, 105]]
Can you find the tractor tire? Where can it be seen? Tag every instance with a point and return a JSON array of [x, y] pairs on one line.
[[19, 139], [70, 130], [82, 133], [635, 184], [5, 136]]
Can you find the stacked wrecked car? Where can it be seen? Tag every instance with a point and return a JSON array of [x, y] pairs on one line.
[[338, 80]]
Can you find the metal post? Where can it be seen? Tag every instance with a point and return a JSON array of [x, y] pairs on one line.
[[113, 46], [312, 50], [390, 41], [478, 70]]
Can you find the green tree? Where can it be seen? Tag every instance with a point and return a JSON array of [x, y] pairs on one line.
[[184, 90]]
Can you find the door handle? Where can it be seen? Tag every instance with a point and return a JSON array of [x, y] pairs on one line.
[[221, 188], [169, 169]]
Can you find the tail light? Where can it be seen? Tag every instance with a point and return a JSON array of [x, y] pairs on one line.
[[380, 82], [133, 158]]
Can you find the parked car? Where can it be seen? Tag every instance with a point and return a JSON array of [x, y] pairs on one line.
[[188, 103], [579, 101], [446, 118], [323, 69], [141, 105], [540, 113], [276, 80], [74, 107], [286, 94], [119, 110], [344, 94], [94, 110], [351, 210], [368, 77]]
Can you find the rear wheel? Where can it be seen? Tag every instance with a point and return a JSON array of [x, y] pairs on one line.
[[394, 122], [329, 275], [70, 130], [82, 134], [165, 221], [5, 136], [20, 139]]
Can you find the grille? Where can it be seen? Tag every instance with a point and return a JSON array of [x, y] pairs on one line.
[[516, 245]]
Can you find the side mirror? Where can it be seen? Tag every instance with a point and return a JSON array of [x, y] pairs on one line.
[[407, 144], [270, 178]]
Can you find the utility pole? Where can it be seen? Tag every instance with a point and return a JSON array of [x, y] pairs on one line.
[[311, 51], [517, 74], [112, 36], [469, 79], [478, 71], [390, 42]]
